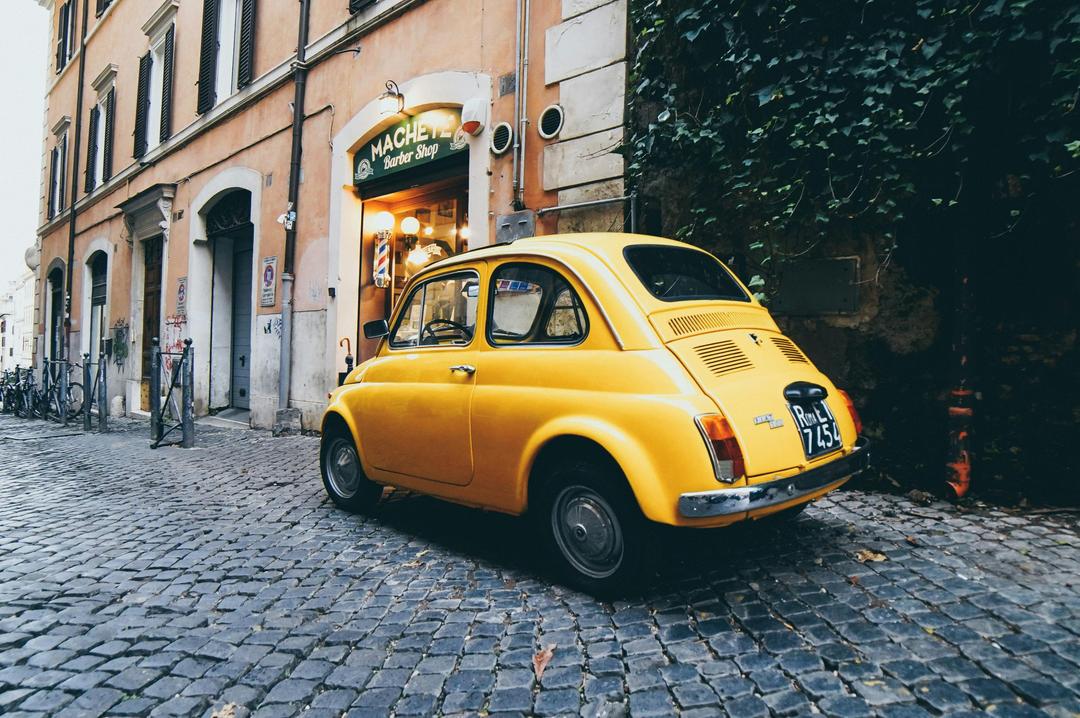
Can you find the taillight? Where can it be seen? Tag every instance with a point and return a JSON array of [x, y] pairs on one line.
[[724, 449], [851, 410]]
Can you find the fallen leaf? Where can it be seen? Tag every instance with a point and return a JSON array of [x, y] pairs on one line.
[[864, 555], [542, 659], [911, 540], [853, 580], [226, 711]]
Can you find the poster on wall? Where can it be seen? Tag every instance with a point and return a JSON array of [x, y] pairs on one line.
[[181, 296], [268, 282]]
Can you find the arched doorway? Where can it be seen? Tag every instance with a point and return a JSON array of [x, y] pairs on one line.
[[54, 329], [230, 234], [97, 266]]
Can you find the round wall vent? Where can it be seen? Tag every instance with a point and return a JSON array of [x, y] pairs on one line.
[[502, 136], [551, 121]]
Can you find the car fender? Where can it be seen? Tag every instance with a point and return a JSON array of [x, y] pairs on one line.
[[340, 409], [628, 452]]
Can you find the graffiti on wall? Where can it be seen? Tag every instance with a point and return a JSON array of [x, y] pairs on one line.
[[120, 342]]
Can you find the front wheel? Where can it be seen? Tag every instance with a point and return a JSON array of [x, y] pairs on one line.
[[343, 475], [597, 536]]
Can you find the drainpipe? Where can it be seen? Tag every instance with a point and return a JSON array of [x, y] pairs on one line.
[[76, 151], [300, 70], [517, 102], [523, 121]]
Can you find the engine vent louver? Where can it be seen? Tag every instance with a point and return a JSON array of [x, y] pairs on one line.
[[789, 350], [723, 357], [707, 321]]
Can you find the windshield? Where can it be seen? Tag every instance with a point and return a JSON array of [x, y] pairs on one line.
[[672, 274]]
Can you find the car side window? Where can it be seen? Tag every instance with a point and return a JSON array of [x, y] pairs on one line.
[[439, 312], [533, 304]]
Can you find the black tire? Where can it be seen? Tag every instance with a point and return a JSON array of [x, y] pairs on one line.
[[342, 474], [596, 537], [784, 517], [75, 400]]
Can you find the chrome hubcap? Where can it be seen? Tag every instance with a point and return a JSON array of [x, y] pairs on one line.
[[343, 468], [587, 531]]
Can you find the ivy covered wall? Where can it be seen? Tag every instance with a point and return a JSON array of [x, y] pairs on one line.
[[920, 137]]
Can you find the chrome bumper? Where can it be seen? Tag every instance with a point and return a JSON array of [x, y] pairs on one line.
[[724, 502]]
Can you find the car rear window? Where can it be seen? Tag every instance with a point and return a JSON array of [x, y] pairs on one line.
[[673, 274]]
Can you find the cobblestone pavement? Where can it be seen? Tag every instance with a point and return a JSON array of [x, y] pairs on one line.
[[174, 581]]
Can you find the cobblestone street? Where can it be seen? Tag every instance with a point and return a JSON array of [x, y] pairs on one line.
[[178, 582]]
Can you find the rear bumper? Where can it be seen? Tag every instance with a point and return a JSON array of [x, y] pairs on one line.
[[725, 502]]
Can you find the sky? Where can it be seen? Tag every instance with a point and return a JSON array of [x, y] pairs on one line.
[[23, 52]]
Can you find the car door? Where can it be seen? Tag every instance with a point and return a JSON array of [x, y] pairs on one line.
[[416, 399]]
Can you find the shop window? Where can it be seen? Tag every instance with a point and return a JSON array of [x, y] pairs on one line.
[[439, 312], [532, 304]]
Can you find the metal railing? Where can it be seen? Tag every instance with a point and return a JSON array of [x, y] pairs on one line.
[[95, 392], [57, 397], [177, 371]]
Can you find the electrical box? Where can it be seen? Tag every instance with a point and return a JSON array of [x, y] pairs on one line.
[[516, 225], [810, 287]]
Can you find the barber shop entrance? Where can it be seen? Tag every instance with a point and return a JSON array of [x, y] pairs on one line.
[[413, 180]]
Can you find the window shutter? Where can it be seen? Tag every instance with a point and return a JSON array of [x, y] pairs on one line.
[[142, 105], [62, 174], [245, 68], [71, 32], [208, 56], [356, 6], [166, 85], [53, 157], [92, 149], [103, 5], [107, 145], [61, 38]]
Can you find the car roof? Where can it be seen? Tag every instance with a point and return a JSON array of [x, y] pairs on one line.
[[608, 245]]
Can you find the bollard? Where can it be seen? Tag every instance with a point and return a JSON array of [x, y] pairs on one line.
[[102, 394], [63, 392], [38, 409], [155, 392], [188, 396], [86, 388]]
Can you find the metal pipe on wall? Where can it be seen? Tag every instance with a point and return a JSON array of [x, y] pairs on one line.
[[523, 120], [287, 275], [517, 103], [73, 212]]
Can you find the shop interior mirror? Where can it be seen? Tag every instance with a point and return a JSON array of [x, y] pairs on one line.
[[376, 329]]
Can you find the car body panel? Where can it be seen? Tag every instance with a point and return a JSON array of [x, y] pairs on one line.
[[633, 386]]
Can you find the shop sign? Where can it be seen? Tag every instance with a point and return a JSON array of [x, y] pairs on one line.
[[415, 141], [181, 296], [268, 282]]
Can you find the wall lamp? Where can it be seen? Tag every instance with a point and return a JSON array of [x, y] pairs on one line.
[[392, 101]]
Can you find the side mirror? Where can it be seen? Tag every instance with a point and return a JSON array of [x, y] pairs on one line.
[[376, 329]]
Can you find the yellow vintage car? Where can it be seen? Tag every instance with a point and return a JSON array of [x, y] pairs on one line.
[[601, 383]]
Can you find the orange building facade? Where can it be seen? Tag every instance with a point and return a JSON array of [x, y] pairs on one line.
[[429, 127]]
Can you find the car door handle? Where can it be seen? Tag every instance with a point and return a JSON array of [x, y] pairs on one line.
[[467, 368]]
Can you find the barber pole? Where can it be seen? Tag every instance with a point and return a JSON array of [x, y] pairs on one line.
[[381, 266]]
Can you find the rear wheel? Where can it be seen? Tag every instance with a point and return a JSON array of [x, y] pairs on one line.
[[342, 473], [597, 537]]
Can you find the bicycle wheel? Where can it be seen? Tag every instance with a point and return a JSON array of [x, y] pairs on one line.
[[75, 400]]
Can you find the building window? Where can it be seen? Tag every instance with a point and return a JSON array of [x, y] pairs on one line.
[[102, 6], [99, 274], [227, 52], [153, 114], [58, 161], [100, 136], [65, 35]]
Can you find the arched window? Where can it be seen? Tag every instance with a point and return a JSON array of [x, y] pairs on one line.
[[99, 283]]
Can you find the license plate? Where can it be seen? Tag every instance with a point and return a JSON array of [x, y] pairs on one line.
[[817, 427]]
